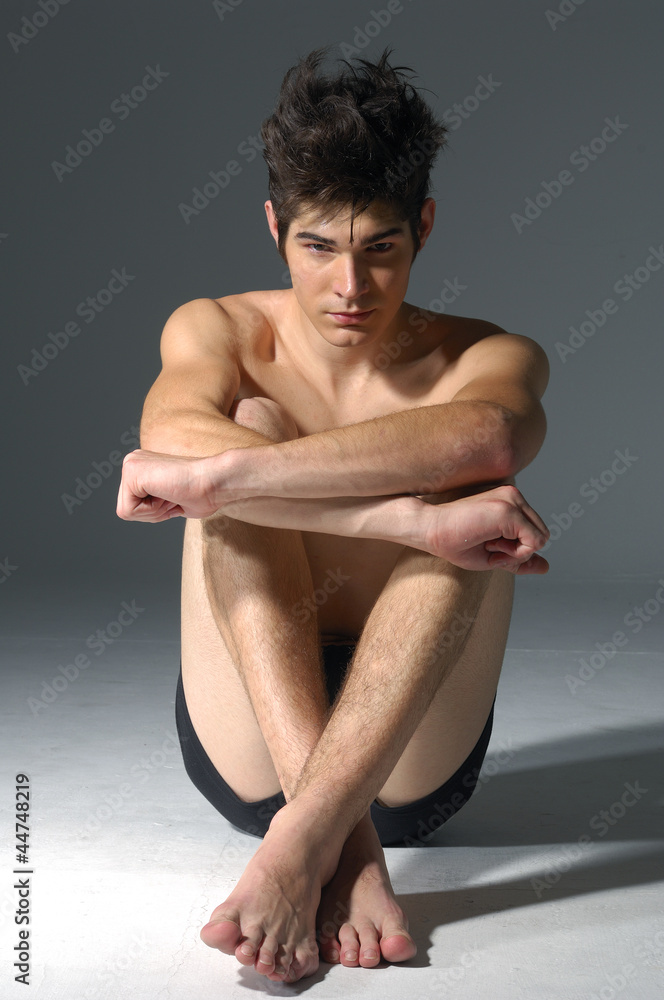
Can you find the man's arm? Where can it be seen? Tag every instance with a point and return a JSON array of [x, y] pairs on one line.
[[492, 428], [185, 415], [186, 410]]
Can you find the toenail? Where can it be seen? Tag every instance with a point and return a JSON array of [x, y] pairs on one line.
[[371, 953], [351, 956], [246, 949], [334, 955]]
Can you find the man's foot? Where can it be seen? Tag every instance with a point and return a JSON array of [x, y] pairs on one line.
[[268, 920], [359, 921]]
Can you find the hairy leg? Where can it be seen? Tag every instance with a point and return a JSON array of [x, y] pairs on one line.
[[239, 582], [429, 611], [233, 620]]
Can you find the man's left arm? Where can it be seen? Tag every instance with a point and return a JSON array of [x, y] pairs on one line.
[[492, 427]]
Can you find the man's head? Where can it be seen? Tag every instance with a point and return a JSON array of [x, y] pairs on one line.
[[341, 143]]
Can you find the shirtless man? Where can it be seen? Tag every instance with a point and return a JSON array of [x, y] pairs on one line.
[[333, 433]]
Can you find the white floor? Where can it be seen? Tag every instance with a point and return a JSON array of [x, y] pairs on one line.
[[528, 893]]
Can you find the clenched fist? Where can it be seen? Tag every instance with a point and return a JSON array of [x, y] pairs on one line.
[[493, 529], [156, 487]]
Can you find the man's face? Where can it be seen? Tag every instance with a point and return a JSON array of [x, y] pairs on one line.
[[351, 292]]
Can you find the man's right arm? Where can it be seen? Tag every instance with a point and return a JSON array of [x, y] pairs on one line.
[[185, 414], [185, 411]]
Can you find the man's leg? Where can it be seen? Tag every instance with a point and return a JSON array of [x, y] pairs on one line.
[[254, 575], [428, 610], [238, 582], [362, 889]]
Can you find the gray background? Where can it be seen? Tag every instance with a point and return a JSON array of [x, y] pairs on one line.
[[81, 736], [119, 209]]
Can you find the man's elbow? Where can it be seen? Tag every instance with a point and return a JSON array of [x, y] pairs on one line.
[[523, 439], [151, 435]]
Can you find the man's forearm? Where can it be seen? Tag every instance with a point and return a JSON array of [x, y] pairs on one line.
[[425, 450], [390, 519]]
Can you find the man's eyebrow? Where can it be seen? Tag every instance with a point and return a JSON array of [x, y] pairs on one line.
[[375, 238]]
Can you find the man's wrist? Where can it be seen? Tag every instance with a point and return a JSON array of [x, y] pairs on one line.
[[401, 519], [241, 472]]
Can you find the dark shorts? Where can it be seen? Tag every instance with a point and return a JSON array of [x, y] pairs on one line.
[[410, 825]]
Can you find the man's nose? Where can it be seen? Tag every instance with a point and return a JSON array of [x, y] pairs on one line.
[[350, 279]]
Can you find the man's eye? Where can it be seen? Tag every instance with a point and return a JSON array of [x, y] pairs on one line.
[[323, 248]]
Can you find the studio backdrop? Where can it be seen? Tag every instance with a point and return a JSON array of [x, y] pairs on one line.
[[134, 182]]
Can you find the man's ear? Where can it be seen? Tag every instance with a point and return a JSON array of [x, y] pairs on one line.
[[272, 221], [426, 220]]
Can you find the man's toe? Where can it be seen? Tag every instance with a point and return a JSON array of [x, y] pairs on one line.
[[397, 945], [369, 946], [222, 932]]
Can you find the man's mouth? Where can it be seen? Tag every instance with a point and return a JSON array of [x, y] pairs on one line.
[[351, 317]]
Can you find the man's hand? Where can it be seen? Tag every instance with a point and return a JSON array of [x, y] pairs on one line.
[[156, 487], [490, 530]]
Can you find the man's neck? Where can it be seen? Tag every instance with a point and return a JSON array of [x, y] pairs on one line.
[[337, 367]]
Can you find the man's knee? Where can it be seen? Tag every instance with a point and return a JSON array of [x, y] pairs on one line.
[[265, 416]]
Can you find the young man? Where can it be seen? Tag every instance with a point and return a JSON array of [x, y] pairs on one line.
[[345, 463]]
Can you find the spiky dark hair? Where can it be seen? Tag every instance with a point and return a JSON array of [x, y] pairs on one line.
[[350, 139]]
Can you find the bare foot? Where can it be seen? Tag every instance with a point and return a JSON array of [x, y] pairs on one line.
[[359, 921], [268, 920]]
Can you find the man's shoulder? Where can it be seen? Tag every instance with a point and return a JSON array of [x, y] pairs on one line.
[[485, 348], [238, 318], [469, 330], [264, 304]]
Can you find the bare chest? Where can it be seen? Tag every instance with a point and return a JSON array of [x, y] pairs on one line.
[[348, 574]]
